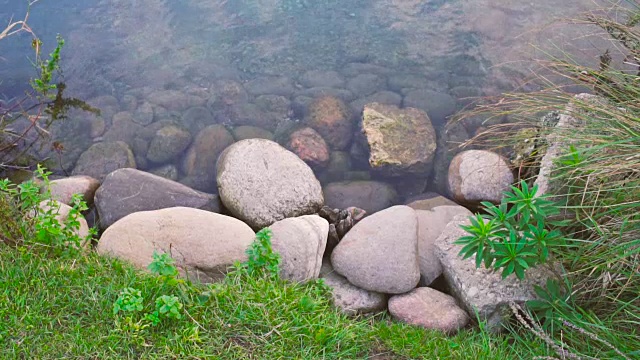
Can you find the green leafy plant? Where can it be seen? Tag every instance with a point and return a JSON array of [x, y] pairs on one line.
[[169, 307], [554, 297], [513, 236], [261, 258], [28, 215], [42, 84], [130, 300]]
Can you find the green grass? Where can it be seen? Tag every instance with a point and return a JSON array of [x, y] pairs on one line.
[[57, 307], [597, 177]]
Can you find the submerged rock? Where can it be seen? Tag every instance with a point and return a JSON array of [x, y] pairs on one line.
[[371, 196], [331, 117], [401, 141], [103, 158], [310, 147]]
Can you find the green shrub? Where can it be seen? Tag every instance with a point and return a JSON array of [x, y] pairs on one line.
[[28, 215], [513, 236], [598, 171], [261, 258]]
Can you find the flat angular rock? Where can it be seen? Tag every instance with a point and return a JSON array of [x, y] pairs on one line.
[[380, 253], [400, 141], [203, 244], [127, 191], [349, 298], [483, 290], [301, 242], [261, 182], [429, 309]]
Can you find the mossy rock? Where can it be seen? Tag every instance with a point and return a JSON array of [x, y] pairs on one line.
[[401, 141]]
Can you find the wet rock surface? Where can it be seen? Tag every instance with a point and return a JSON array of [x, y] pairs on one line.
[[400, 141]]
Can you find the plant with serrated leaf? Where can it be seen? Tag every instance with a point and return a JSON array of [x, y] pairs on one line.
[[513, 236], [29, 215], [130, 300], [261, 258]]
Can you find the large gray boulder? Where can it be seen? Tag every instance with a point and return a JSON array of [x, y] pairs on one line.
[[261, 182], [479, 289], [203, 244], [430, 309], [479, 175], [127, 191], [351, 299], [431, 223], [301, 242], [380, 253]]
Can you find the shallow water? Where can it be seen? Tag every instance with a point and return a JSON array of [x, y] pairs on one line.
[[129, 49]]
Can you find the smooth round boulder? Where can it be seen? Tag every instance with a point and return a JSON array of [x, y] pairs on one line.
[[348, 298], [429, 309], [203, 244], [63, 189], [310, 147], [431, 223], [478, 175], [167, 144], [301, 242], [260, 182], [380, 253]]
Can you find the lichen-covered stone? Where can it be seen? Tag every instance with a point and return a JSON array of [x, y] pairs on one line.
[[401, 141]]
